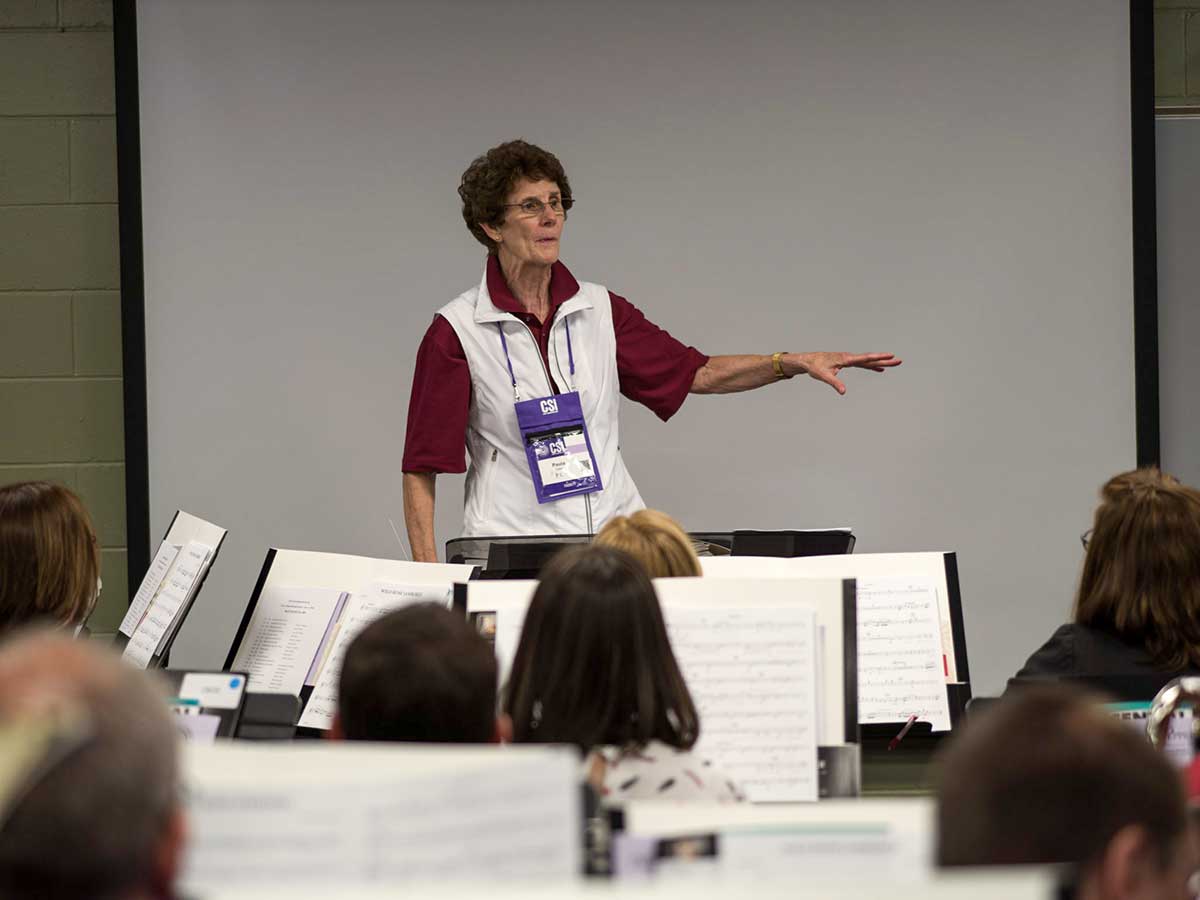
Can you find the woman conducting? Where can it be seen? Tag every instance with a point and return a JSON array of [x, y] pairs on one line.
[[529, 366]]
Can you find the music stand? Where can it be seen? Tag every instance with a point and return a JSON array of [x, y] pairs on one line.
[[828, 542]]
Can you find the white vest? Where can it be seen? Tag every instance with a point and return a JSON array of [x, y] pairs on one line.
[[500, 497]]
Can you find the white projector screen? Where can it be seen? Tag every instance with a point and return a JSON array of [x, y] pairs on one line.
[[1178, 147], [948, 181]]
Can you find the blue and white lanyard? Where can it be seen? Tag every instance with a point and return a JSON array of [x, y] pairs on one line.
[[508, 359]]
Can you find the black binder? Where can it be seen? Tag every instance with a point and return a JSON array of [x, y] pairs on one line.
[[831, 542]]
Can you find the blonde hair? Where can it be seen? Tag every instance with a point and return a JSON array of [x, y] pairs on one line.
[[655, 540], [49, 559], [1141, 575]]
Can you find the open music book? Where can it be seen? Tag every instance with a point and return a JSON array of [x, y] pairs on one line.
[[911, 642], [169, 588], [765, 661], [308, 607], [347, 814]]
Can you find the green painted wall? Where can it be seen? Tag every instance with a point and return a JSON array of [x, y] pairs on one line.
[[60, 317]]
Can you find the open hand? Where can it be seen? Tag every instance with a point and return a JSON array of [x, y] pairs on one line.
[[825, 366]]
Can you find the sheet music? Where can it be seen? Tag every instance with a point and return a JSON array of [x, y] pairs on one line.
[[360, 610], [184, 579], [284, 635], [1179, 746], [345, 815], [901, 671], [149, 587], [149, 637], [752, 674], [508, 635], [326, 641]]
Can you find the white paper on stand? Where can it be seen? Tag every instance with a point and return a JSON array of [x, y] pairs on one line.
[[752, 674], [901, 670], [1180, 745], [508, 636], [149, 638], [361, 610], [893, 839], [199, 729], [149, 587], [284, 635], [352, 814], [184, 579], [751, 671]]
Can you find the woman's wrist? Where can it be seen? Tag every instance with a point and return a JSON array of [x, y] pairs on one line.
[[785, 365]]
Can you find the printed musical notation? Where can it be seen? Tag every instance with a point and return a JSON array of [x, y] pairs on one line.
[[752, 674], [284, 636], [348, 816], [150, 586], [151, 634], [359, 611], [900, 667]]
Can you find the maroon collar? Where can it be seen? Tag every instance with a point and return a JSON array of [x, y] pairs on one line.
[[563, 287]]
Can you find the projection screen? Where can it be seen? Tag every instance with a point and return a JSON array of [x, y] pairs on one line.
[[947, 181]]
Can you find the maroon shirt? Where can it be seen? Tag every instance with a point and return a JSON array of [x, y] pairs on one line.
[[653, 368]]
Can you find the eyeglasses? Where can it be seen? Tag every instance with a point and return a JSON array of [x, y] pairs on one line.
[[534, 207], [1086, 538]]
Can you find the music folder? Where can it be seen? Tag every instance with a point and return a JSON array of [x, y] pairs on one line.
[[168, 590]]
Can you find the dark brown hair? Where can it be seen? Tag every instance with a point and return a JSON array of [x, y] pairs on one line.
[[420, 673], [49, 561], [1141, 575], [1045, 776], [488, 180], [594, 665]]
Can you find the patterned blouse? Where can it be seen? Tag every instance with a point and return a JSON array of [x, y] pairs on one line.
[[658, 771]]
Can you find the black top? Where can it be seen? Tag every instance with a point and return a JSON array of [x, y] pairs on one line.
[[1075, 650]]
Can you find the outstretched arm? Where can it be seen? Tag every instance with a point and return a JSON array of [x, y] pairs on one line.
[[730, 374]]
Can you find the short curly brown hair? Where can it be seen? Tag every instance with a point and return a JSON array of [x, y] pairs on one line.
[[486, 183]]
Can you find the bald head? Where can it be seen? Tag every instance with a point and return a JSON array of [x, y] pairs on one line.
[[113, 800]]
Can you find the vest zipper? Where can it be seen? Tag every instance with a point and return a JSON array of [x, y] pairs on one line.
[[537, 347], [587, 498]]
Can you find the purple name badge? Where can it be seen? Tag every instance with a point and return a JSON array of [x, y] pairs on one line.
[[557, 447]]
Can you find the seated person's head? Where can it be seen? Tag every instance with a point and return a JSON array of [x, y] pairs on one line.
[[1046, 776], [594, 665], [420, 673], [1141, 573], [655, 540], [101, 816], [49, 560]]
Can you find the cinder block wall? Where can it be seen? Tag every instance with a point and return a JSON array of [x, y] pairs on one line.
[[61, 409], [1177, 53]]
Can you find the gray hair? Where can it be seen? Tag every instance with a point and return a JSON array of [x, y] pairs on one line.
[[93, 824]]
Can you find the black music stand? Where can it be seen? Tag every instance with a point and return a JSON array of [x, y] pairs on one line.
[[788, 544]]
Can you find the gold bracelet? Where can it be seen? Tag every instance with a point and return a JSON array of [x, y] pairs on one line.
[[775, 361]]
